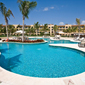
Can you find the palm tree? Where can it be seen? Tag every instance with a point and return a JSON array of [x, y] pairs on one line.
[[74, 29], [25, 7], [6, 14], [45, 28], [28, 30], [33, 30], [69, 30], [55, 29], [11, 29], [83, 29], [78, 22], [0, 28], [36, 26]]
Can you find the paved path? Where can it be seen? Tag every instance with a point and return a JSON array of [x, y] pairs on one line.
[[75, 46]]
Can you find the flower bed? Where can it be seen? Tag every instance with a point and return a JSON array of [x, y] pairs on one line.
[[28, 41]]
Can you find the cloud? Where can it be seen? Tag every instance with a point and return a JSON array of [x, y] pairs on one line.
[[83, 22], [51, 7], [46, 9], [61, 23]]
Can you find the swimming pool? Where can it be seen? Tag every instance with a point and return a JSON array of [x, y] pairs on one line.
[[41, 60]]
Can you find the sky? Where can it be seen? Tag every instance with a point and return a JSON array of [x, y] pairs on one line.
[[59, 12]]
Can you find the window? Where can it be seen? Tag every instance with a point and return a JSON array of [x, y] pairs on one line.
[[66, 27], [49, 27], [63, 27], [52, 27]]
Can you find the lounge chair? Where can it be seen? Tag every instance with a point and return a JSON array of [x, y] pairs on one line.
[[81, 38], [76, 39], [14, 38], [57, 37], [81, 44]]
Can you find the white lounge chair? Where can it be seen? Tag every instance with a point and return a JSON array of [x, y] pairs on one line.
[[57, 37], [82, 44], [81, 38], [77, 38]]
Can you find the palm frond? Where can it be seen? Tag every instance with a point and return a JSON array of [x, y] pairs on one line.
[[32, 5], [2, 8], [9, 12], [25, 7], [19, 1], [78, 21]]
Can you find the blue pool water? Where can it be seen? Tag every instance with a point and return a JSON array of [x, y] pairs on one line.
[[42, 60]]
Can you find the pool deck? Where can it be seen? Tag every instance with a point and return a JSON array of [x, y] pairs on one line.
[[9, 78], [74, 46]]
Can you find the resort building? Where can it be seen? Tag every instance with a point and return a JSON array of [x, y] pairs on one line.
[[60, 30]]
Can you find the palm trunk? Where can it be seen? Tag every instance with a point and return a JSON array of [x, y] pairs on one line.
[[23, 30], [6, 29], [79, 31], [36, 32], [30, 33], [54, 33]]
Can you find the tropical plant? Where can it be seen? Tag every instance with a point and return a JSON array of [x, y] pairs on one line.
[[83, 29], [78, 22], [55, 29], [6, 14], [0, 27], [74, 29], [18, 26], [45, 28], [11, 29], [33, 30], [25, 7], [4, 30], [36, 26], [69, 30], [30, 30]]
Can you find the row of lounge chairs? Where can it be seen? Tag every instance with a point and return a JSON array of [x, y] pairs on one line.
[[79, 39]]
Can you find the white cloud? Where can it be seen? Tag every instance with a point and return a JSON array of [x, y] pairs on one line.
[[83, 22], [51, 7], [46, 9], [61, 23]]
